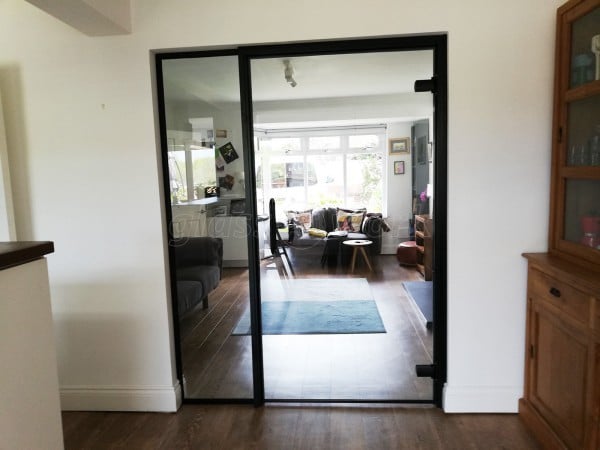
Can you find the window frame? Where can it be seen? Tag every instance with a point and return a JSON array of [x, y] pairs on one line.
[[263, 156]]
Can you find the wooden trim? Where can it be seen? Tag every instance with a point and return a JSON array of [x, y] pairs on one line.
[[18, 253], [584, 91]]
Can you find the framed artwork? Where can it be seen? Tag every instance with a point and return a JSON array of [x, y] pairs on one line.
[[399, 145], [398, 167]]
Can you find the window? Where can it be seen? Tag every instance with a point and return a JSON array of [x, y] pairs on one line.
[[306, 170], [191, 169]]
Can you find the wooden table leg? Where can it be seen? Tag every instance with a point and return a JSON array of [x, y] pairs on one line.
[[354, 250], [364, 253]]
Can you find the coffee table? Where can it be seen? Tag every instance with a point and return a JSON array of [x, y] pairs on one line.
[[358, 245]]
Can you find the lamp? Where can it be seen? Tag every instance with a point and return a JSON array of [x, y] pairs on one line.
[[288, 73]]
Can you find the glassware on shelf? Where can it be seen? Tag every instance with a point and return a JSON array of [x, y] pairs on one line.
[[590, 226], [579, 155]]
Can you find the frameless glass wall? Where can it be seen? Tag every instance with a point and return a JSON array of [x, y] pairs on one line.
[[209, 224]]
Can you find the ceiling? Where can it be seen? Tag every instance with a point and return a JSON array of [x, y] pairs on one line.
[[215, 79]]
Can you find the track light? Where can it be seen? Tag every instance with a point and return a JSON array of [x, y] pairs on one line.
[[288, 73]]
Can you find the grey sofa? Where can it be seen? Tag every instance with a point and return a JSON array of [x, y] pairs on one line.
[[325, 219], [198, 269]]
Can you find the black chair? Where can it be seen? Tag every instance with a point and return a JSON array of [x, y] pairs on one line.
[[276, 244]]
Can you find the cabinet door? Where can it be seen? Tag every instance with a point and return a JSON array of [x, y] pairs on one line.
[[575, 228], [559, 373], [189, 221], [234, 232]]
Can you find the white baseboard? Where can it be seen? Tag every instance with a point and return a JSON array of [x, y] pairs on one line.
[[481, 399], [121, 398]]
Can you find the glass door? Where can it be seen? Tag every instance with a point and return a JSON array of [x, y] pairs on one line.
[[204, 172], [341, 319]]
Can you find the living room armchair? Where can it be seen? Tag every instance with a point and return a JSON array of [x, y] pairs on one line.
[[198, 269]]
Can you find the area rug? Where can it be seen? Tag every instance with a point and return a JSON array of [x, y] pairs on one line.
[[316, 317], [422, 294]]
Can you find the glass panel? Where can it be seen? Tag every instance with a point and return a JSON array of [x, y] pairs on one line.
[[585, 49], [364, 141], [584, 132], [582, 212], [365, 187], [206, 179], [324, 143], [329, 174], [311, 292]]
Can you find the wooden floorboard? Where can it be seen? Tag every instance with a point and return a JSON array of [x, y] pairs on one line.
[[353, 367], [296, 427]]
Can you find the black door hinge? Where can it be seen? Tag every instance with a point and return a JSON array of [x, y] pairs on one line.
[[425, 370], [426, 85]]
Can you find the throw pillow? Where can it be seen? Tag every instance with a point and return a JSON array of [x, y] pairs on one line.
[[317, 233], [302, 218], [350, 219]]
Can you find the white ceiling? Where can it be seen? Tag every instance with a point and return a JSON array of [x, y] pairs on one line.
[[215, 79]]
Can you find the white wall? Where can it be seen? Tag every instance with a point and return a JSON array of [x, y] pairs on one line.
[[8, 231], [80, 130]]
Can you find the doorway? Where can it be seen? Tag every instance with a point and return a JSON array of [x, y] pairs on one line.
[[247, 145]]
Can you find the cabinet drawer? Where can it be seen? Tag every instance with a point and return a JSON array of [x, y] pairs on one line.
[[570, 300]]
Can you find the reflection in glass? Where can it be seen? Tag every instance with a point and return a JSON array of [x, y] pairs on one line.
[[206, 182]]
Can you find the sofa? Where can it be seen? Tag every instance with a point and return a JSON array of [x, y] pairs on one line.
[[198, 270], [336, 225]]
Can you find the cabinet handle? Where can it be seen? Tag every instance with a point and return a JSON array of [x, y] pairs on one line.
[[555, 292]]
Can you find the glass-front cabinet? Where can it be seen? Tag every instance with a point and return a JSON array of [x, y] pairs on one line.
[[575, 226]]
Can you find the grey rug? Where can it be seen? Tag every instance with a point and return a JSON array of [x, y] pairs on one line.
[[422, 294]]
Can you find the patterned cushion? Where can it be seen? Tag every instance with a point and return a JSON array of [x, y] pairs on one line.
[[302, 218], [350, 219]]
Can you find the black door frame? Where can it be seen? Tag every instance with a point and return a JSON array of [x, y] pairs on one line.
[[435, 42]]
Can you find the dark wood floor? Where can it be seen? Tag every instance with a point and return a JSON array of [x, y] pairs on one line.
[[295, 427], [291, 426], [367, 366]]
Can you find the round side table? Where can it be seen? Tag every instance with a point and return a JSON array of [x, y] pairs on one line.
[[358, 245]]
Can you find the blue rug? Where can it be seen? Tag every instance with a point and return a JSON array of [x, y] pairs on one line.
[[316, 317], [422, 294]]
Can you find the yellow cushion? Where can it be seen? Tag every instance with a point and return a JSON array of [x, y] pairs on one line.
[[316, 232]]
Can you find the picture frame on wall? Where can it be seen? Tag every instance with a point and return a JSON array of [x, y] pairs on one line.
[[398, 167], [399, 145]]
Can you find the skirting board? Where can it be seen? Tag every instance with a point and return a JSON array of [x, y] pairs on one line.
[[121, 398], [481, 399]]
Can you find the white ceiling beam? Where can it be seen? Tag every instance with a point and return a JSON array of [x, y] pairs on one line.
[[91, 17]]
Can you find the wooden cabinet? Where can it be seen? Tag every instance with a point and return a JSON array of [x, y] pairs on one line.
[[423, 239], [575, 202], [561, 402]]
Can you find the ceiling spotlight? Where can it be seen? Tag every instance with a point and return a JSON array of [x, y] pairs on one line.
[[288, 73]]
